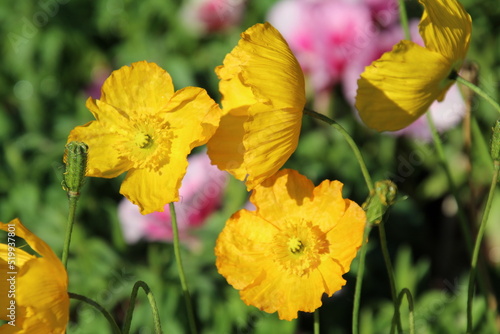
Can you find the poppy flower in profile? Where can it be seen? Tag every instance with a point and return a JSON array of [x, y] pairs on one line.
[[398, 88], [263, 96]]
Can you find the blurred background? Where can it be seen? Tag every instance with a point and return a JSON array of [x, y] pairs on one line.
[[57, 53]]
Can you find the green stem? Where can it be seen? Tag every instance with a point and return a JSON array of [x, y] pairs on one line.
[[404, 19], [479, 92], [73, 200], [152, 302], [349, 140], [182, 275], [316, 321], [477, 245], [390, 272], [359, 280], [442, 160], [411, 317], [114, 327]]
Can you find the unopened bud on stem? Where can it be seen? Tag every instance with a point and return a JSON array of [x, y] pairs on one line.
[[76, 165]]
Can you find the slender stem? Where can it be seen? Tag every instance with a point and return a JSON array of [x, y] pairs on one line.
[[477, 245], [404, 19], [316, 321], [182, 275], [97, 306], [73, 200], [442, 159], [479, 92], [152, 302], [359, 280], [390, 272], [349, 140], [411, 317]]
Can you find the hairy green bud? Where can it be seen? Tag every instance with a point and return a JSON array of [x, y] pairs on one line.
[[76, 165], [495, 142], [383, 197]]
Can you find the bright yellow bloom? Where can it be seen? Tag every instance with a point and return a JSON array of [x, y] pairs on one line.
[[263, 95], [294, 248], [36, 286], [142, 126], [399, 87]]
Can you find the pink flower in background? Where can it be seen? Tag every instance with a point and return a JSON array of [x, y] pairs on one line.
[[446, 114], [200, 194], [209, 16], [324, 35]]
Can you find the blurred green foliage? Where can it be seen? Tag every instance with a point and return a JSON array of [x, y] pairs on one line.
[[52, 51]]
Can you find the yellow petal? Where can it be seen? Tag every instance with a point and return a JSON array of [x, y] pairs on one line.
[[103, 160], [347, 235], [42, 286], [271, 136], [399, 87], [142, 88], [260, 80], [193, 117], [281, 194], [446, 28], [242, 248], [226, 148]]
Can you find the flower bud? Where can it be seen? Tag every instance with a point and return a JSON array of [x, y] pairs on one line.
[[76, 164], [380, 200]]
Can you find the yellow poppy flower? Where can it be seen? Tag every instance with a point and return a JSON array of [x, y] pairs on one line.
[[399, 87], [294, 248], [263, 96], [142, 126], [35, 300]]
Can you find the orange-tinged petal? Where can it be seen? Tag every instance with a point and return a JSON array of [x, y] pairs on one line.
[[347, 235], [281, 194], [399, 87], [242, 247], [142, 88], [446, 28]]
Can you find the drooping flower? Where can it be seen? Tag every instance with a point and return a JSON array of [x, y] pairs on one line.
[[263, 97], [200, 193], [144, 128], [445, 114], [34, 290], [294, 247], [399, 87]]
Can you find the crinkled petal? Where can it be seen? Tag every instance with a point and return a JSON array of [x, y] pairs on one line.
[[102, 160], [152, 189], [271, 136], [193, 116], [263, 61], [243, 247], [446, 28], [347, 235], [42, 286], [400, 86], [142, 88], [288, 294], [281, 195]]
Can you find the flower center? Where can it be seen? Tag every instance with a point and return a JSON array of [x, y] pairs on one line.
[[299, 247], [295, 245], [143, 140]]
